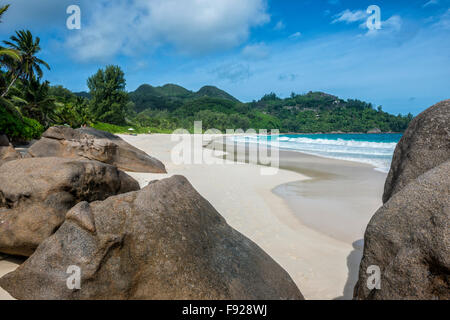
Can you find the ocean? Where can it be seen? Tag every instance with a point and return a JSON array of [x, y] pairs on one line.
[[374, 149]]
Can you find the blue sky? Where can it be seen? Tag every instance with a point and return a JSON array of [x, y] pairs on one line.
[[251, 47]]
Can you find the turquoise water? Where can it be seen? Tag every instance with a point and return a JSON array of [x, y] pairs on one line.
[[374, 149]]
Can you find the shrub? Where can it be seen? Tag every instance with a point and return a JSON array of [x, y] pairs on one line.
[[19, 129]]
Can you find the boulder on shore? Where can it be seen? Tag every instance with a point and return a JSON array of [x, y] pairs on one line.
[[8, 154], [4, 141], [36, 193], [162, 242], [425, 145], [89, 143], [409, 240], [7, 151]]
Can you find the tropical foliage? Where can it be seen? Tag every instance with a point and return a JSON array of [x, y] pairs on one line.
[[109, 98], [301, 113]]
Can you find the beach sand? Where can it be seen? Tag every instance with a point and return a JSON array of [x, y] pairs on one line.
[[339, 199], [321, 253], [307, 217]]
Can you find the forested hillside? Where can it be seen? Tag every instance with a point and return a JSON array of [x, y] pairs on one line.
[[303, 113]]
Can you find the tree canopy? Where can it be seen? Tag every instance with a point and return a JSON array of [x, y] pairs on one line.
[[108, 96]]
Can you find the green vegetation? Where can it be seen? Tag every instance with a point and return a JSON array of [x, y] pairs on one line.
[[19, 128], [136, 129], [109, 98], [301, 113], [29, 105]]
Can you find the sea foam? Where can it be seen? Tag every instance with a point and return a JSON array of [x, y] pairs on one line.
[[373, 149]]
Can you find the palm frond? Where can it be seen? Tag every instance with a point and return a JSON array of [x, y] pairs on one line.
[[9, 106], [3, 10], [11, 53]]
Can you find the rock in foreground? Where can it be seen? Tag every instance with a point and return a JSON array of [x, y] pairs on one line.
[[4, 141], [7, 151], [425, 145], [92, 144], [36, 193], [163, 242], [409, 239]]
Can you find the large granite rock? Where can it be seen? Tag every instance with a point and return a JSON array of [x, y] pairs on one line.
[[4, 141], [163, 242], [8, 154], [409, 240], [36, 193], [7, 151], [425, 145], [97, 145]]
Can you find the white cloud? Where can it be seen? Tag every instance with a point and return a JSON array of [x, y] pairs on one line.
[[429, 3], [233, 72], [288, 77], [295, 35], [256, 51], [393, 24], [349, 16], [444, 21], [35, 14], [279, 26], [191, 26]]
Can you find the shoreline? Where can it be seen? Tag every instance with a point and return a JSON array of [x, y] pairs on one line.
[[322, 266], [379, 158], [326, 177], [352, 189], [311, 133]]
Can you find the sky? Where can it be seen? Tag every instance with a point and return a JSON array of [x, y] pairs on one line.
[[251, 47]]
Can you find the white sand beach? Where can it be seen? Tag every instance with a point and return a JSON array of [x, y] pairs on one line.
[[318, 263], [322, 265]]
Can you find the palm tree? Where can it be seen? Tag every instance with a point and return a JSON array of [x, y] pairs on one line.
[[9, 52], [29, 66], [7, 103], [35, 102], [3, 9]]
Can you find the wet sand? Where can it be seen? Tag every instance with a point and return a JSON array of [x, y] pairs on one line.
[[339, 199]]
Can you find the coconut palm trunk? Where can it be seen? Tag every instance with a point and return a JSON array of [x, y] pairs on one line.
[[10, 86]]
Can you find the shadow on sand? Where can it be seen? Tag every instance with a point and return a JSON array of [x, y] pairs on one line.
[[353, 261]]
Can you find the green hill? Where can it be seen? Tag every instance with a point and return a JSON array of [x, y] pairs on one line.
[[172, 90], [171, 96], [214, 92], [171, 107]]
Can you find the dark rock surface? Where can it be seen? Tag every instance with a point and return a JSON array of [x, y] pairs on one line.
[[409, 240], [4, 141], [425, 145]]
